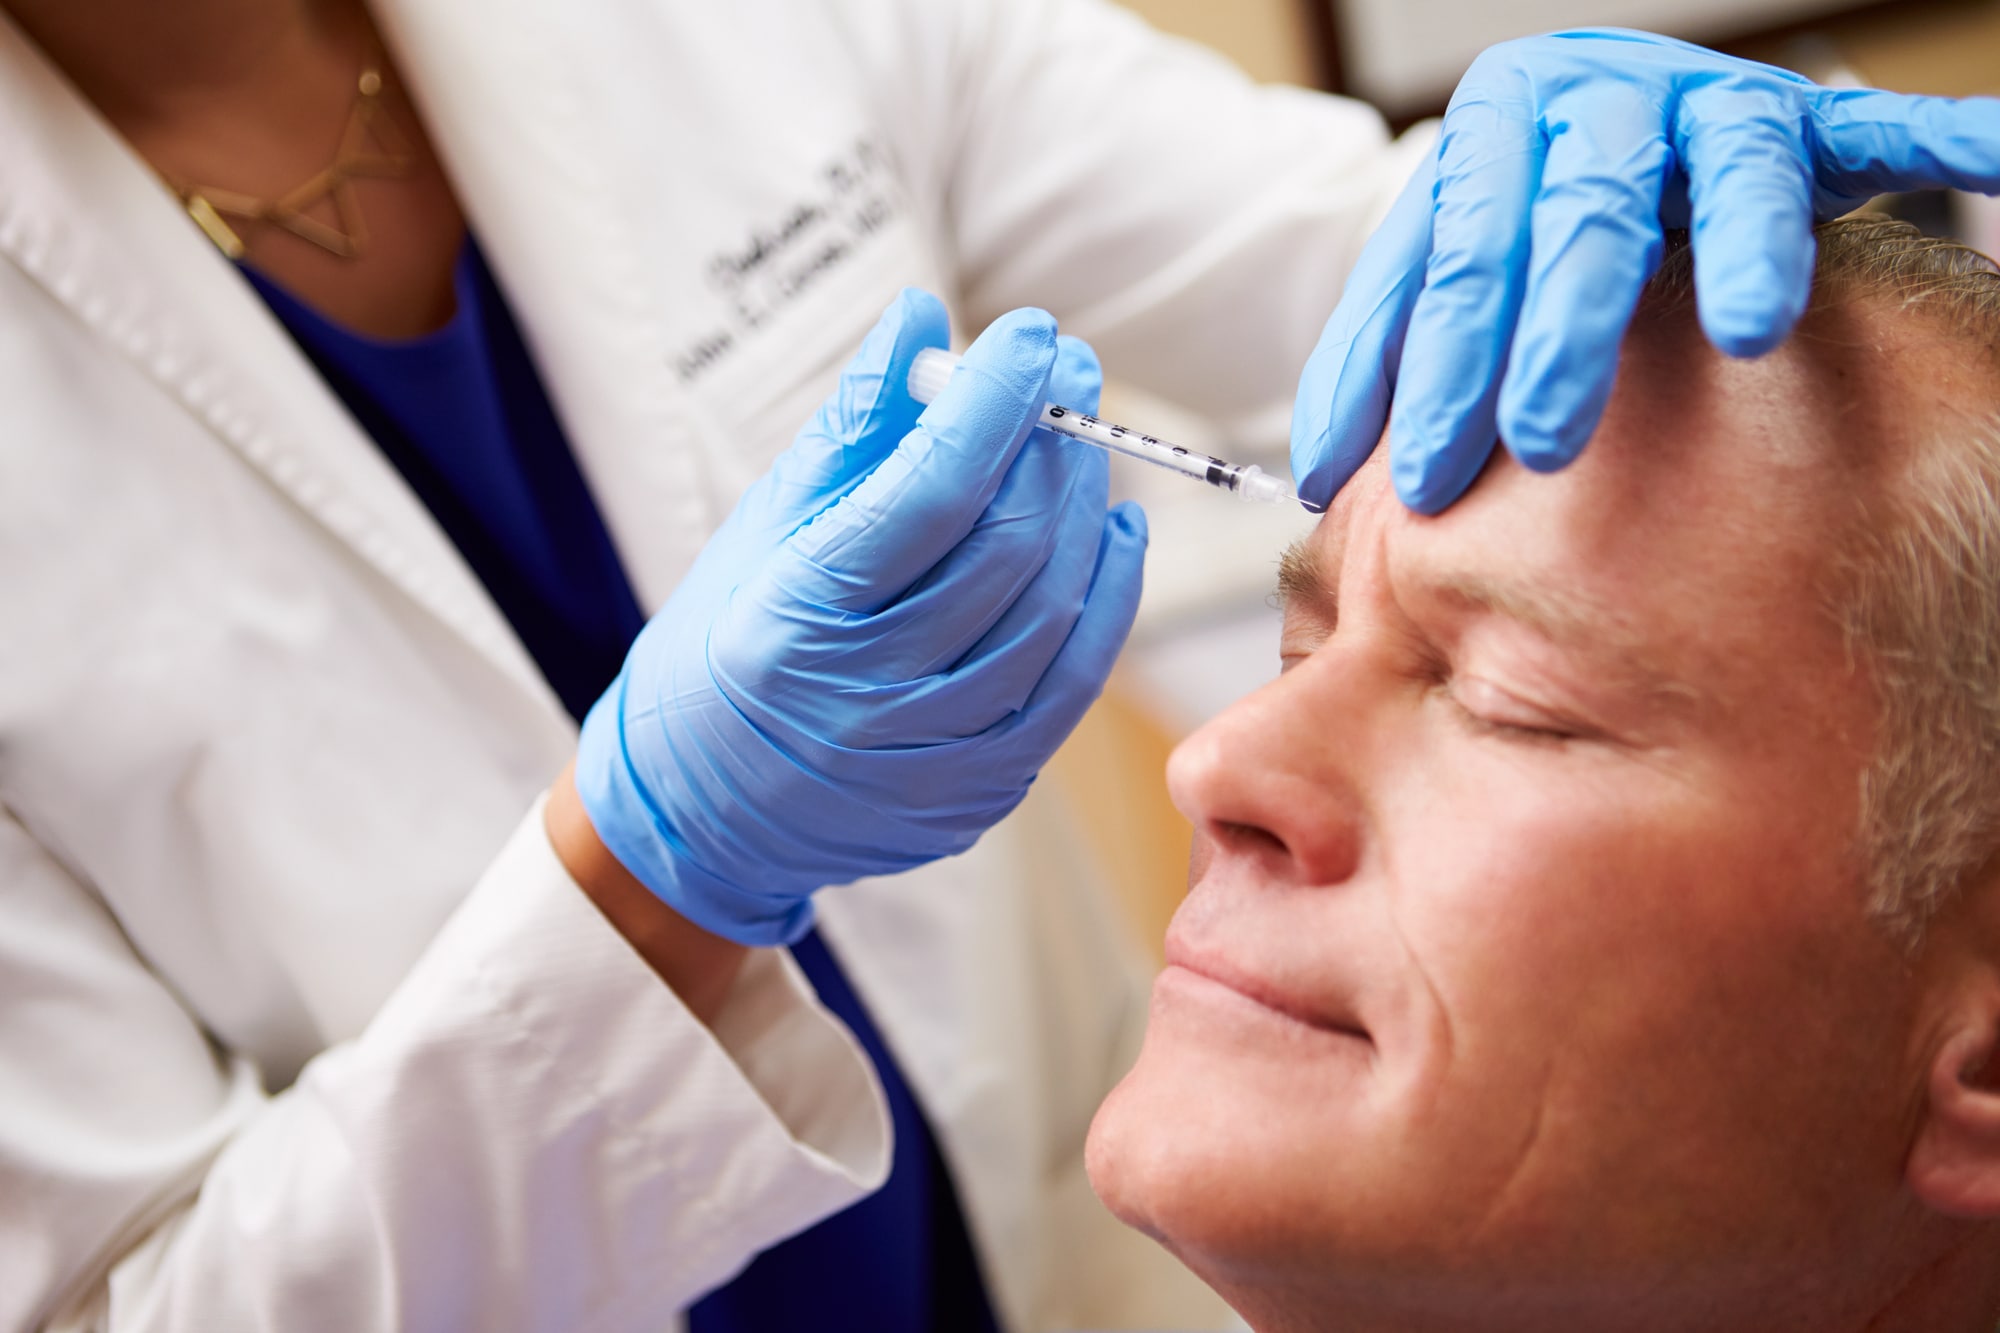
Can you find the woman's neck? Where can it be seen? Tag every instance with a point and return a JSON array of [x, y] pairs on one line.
[[250, 97], [142, 61]]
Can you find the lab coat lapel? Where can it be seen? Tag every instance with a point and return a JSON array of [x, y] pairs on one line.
[[508, 102], [85, 218]]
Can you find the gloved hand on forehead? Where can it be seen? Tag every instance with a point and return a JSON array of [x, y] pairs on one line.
[[1492, 302], [880, 647]]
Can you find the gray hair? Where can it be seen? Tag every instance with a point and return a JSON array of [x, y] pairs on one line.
[[1915, 588]]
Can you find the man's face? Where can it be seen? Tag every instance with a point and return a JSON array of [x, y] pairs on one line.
[[1525, 962]]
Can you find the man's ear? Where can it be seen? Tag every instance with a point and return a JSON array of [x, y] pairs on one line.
[[1954, 1166]]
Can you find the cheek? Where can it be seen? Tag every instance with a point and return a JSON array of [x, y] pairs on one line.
[[1618, 888], [1515, 894], [1677, 978]]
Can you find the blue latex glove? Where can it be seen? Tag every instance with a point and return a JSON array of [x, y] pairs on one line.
[[880, 647], [1493, 299]]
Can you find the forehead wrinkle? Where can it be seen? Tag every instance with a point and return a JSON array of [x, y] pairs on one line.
[[1570, 620]]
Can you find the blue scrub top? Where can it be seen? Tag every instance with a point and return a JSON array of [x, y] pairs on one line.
[[462, 414]]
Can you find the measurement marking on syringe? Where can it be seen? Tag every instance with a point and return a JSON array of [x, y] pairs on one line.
[[933, 369]]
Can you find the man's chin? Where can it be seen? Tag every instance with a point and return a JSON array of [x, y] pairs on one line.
[[1189, 1183], [1123, 1160], [1219, 1155], [1167, 1177]]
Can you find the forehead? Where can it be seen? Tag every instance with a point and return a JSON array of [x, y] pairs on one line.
[[1699, 529]]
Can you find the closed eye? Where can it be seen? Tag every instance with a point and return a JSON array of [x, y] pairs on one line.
[[1511, 730], [1487, 709]]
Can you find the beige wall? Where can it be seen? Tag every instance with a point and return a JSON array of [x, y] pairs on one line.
[[1268, 38], [1947, 47]]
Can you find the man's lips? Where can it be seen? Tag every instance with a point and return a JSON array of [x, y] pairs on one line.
[[1224, 972]]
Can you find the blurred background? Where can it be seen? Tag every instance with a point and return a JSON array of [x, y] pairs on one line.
[[1207, 631]]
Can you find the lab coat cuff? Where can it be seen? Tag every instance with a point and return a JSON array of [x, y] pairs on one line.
[[711, 1144], [798, 1069]]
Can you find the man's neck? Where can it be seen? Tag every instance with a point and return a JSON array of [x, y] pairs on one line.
[[1948, 1284], [142, 61], [1958, 1289]]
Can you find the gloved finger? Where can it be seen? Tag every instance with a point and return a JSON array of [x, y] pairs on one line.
[[1076, 677], [972, 683], [1042, 527], [1750, 199], [1032, 549], [1028, 712], [1343, 398], [1051, 501], [865, 415], [1024, 629], [1869, 142], [1057, 701], [1597, 240], [1442, 424], [1077, 380], [922, 500], [869, 410]]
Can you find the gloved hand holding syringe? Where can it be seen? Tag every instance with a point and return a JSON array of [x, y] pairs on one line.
[[932, 371]]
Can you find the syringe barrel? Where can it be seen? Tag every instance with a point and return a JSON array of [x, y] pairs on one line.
[[932, 370], [1132, 444]]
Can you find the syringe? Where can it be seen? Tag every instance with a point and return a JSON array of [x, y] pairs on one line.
[[932, 370]]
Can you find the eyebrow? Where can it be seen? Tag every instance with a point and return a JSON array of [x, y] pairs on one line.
[[1566, 619], [1302, 577]]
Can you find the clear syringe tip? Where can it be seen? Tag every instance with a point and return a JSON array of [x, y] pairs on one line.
[[1257, 485]]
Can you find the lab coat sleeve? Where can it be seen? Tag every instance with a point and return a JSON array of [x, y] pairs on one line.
[[1196, 227], [532, 1133]]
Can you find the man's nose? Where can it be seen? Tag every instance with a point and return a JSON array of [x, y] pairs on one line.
[[1270, 780]]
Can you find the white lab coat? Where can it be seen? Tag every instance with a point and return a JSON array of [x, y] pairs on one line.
[[302, 1026]]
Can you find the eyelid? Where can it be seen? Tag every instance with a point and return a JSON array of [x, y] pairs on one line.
[[1491, 705], [1302, 632]]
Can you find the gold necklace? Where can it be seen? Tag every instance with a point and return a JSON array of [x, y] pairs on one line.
[[371, 145]]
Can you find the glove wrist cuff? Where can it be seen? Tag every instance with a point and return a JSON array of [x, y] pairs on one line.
[[643, 841]]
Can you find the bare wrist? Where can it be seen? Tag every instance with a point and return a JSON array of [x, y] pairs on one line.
[[699, 966]]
